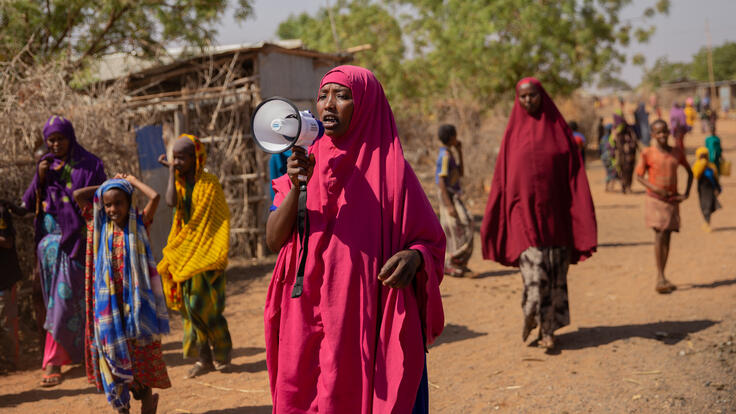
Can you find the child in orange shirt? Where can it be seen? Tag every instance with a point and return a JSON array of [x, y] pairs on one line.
[[662, 210]]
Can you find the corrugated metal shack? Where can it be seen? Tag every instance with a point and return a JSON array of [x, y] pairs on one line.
[[212, 96]]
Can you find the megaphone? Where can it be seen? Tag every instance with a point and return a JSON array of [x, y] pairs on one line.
[[277, 125]]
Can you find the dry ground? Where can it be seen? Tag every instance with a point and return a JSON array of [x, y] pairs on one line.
[[628, 350]]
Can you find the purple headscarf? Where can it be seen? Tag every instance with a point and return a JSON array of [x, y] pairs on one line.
[[56, 197]]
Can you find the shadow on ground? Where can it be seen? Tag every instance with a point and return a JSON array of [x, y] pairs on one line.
[[261, 409], [36, 394], [719, 229], [241, 275], [669, 333], [496, 273], [175, 358], [626, 244], [712, 285], [454, 333]]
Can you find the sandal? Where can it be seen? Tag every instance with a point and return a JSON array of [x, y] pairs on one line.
[[51, 380], [222, 366], [454, 271], [665, 288], [547, 342], [198, 369]]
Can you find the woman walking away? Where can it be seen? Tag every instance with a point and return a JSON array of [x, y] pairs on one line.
[[706, 174], [626, 146], [662, 206], [125, 302], [715, 151], [690, 114], [347, 323], [454, 217], [60, 241], [195, 256], [540, 214], [641, 117]]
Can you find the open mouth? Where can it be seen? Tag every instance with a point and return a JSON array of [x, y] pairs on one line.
[[330, 121]]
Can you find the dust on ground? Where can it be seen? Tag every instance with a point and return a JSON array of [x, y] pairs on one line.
[[628, 349]]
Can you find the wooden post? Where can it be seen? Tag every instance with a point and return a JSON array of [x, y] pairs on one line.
[[710, 68]]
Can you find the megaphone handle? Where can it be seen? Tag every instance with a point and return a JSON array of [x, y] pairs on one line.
[[303, 178]]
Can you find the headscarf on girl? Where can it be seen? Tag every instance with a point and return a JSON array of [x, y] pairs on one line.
[[82, 169], [349, 344], [201, 243], [539, 193], [144, 317], [702, 162]]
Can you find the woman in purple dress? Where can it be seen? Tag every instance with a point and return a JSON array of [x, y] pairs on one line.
[[60, 241]]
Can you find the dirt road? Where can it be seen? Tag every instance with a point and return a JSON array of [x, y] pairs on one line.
[[628, 349]]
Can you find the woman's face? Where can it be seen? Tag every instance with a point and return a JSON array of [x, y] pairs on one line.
[[335, 108], [530, 98], [116, 206], [58, 144], [184, 161]]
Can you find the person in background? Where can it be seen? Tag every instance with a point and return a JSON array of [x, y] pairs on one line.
[[601, 129], [706, 174], [715, 151], [625, 147], [454, 216], [690, 114], [126, 308], [11, 275], [641, 119], [579, 138], [277, 167], [677, 117], [195, 257], [662, 205], [60, 241], [654, 103], [540, 215], [608, 158]]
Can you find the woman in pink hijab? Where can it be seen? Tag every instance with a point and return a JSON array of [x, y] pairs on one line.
[[354, 340]]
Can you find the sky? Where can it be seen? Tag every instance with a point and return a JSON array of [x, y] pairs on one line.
[[679, 35]]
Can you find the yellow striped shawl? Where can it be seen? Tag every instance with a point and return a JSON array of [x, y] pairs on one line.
[[202, 243]]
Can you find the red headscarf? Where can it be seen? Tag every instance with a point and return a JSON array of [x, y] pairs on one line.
[[539, 194], [350, 344]]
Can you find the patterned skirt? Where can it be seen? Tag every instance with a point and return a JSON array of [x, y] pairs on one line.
[[544, 271]]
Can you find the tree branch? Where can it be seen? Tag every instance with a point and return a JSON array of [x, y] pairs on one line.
[[110, 23]]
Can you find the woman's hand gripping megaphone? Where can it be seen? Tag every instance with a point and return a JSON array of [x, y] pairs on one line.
[[299, 165]]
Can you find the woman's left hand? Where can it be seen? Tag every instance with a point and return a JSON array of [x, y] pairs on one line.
[[400, 269]]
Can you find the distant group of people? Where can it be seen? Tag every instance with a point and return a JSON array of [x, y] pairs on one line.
[[347, 325]]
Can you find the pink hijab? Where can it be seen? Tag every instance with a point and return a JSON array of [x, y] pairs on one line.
[[349, 344]]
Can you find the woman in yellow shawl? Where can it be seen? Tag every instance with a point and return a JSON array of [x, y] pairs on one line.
[[195, 256], [706, 174]]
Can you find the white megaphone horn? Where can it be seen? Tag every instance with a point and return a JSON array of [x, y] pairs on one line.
[[277, 125]]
